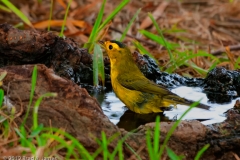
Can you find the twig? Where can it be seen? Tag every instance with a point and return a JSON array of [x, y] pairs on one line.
[[138, 152], [222, 50], [200, 2], [226, 24], [236, 156], [225, 32]]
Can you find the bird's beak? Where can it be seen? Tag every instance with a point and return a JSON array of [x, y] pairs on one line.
[[102, 44]]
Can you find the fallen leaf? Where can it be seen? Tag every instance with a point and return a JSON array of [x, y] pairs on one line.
[[44, 24]]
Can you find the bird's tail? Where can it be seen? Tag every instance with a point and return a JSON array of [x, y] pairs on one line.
[[200, 105], [178, 100]]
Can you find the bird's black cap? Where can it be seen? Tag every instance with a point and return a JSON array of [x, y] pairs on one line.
[[120, 44]]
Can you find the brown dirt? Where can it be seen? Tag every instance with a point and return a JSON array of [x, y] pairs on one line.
[[73, 109]]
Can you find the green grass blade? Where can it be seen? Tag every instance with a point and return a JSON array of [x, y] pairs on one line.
[[33, 85], [95, 67], [97, 27], [3, 75], [200, 70], [37, 131], [119, 148], [3, 119], [98, 65], [19, 25], [156, 136], [58, 139], [112, 15], [104, 146], [17, 12], [36, 106], [182, 60], [153, 151], [26, 142], [50, 16], [23, 136], [143, 51], [132, 150], [149, 146], [79, 147], [200, 153], [174, 29], [65, 19], [5, 9], [172, 155], [159, 40], [95, 31], [1, 97], [174, 126], [109, 140], [6, 128], [129, 25], [236, 65], [160, 33], [101, 73], [23, 132], [120, 152]]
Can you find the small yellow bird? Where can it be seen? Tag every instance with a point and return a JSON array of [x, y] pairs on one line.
[[137, 92]]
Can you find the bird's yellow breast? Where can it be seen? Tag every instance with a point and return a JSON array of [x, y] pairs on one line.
[[136, 101]]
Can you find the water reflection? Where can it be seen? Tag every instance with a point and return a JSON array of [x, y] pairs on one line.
[[124, 118], [131, 120]]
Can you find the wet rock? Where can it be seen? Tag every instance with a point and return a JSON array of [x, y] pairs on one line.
[[151, 70], [64, 56], [222, 85], [224, 137], [190, 136], [237, 105], [73, 109], [183, 141]]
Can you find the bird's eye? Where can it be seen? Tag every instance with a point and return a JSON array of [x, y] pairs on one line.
[[110, 47]]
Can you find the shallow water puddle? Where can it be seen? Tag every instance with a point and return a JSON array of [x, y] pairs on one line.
[[120, 115], [214, 115]]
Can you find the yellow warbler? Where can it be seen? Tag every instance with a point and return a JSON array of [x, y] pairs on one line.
[[137, 92]]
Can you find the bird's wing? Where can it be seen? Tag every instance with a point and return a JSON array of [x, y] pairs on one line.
[[141, 83]]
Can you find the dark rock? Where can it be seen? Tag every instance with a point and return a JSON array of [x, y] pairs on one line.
[[151, 70], [222, 85], [64, 56]]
